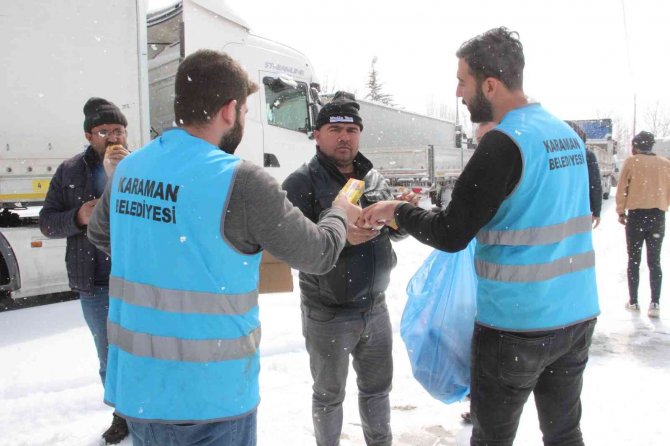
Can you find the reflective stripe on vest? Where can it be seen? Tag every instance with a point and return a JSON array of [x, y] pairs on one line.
[[535, 272], [178, 301], [537, 236], [176, 349]]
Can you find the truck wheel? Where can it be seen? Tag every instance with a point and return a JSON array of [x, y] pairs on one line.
[[6, 301]]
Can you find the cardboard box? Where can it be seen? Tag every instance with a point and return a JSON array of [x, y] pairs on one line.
[[275, 276]]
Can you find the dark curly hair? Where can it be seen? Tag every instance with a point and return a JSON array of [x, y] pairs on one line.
[[497, 53]]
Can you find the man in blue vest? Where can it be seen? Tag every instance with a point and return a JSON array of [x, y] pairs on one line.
[[524, 195], [187, 221]]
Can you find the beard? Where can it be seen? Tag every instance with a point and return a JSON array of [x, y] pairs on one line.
[[232, 139], [480, 108]]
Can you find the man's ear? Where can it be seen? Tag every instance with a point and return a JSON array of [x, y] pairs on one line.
[[490, 86], [89, 136], [228, 113]]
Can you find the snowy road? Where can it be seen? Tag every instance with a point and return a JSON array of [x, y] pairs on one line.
[[50, 392]]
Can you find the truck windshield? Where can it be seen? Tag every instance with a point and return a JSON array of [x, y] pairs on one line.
[[286, 104]]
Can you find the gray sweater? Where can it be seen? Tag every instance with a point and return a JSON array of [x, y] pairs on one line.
[[259, 216]]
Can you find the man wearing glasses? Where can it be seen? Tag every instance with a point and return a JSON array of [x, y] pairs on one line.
[[73, 193]]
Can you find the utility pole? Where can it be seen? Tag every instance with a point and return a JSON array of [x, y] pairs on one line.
[[634, 111]]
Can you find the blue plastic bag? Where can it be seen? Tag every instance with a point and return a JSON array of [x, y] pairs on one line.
[[438, 321]]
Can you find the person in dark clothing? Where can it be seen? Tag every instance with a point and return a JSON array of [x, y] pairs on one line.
[[524, 195], [595, 185], [344, 311], [73, 193], [644, 191]]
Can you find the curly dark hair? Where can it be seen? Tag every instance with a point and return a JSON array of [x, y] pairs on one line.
[[497, 53]]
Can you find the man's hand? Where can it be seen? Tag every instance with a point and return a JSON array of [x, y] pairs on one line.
[[356, 235], [409, 197], [113, 155], [622, 219], [84, 213], [595, 221], [353, 212], [380, 213]]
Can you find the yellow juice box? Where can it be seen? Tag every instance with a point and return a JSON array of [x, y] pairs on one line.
[[353, 190]]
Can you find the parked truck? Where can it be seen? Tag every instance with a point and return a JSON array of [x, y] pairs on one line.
[[662, 146], [411, 150], [599, 140], [58, 54]]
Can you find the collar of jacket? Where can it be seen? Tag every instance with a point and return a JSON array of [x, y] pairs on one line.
[[362, 165], [91, 158]]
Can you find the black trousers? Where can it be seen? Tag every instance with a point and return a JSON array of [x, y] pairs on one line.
[[645, 226], [507, 367]]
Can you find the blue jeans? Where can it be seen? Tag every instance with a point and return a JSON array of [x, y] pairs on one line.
[[508, 366], [95, 306], [330, 337], [238, 432]]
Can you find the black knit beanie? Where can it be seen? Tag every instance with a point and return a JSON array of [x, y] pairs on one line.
[[98, 111], [644, 141], [342, 109]]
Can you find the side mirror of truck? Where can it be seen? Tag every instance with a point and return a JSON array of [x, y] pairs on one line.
[[313, 114]]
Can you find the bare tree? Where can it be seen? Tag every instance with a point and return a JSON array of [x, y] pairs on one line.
[[657, 119], [375, 93]]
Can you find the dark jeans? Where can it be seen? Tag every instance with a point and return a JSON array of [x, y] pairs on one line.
[[645, 226], [508, 366], [330, 338], [95, 306], [238, 432]]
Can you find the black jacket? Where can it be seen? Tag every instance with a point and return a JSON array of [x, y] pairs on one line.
[[362, 272], [595, 186], [71, 186]]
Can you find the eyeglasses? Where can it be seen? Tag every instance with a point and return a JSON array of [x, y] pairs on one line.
[[116, 133]]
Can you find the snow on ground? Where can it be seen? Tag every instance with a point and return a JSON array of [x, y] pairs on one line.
[[50, 392]]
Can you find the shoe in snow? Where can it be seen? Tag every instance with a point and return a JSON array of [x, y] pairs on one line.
[[654, 310], [117, 431], [633, 306]]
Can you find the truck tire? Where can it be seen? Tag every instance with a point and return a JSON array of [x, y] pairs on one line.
[[6, 301]]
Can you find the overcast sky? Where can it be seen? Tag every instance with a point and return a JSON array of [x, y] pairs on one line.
[[584, 58]]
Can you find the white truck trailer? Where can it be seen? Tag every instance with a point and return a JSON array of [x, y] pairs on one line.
[[58, 54], [412, 150]]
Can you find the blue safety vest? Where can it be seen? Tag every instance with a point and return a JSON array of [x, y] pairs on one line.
[[534, 260], [183, 323]]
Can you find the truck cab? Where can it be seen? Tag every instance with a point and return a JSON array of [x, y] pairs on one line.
[[114, 50], [281, 114]]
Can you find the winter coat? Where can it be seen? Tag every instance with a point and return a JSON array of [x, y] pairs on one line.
[[362, 272], [595, 185], [644, 183], [71, 186]]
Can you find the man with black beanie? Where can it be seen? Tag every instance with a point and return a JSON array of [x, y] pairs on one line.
[[644, 190], [344, 311], [73, 193]]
